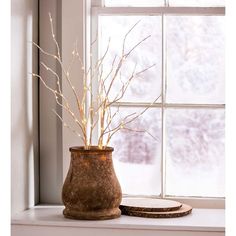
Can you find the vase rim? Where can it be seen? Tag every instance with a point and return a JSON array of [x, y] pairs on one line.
[[91, 149]]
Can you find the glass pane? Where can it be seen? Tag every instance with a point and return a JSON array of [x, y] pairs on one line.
[[195, 152], [134, 3], [145, 87], [195, 59], [199, 3], [137, 155]]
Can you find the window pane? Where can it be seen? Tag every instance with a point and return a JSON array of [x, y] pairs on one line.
[[134, 3], [195, 55], [137, 155], [195, 152], [200, 3], [146, 86]]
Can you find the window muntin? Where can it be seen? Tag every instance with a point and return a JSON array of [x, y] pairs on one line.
[[164, 185], [134, 3], [158, 3], [197, 3]]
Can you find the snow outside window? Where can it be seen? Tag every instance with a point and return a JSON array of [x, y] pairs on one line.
[[186, 155]]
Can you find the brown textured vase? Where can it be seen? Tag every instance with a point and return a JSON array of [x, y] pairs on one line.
[[91, 190]]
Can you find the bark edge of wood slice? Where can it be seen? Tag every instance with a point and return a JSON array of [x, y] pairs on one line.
[[183, 211]]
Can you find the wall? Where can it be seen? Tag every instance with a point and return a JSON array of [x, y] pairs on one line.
[[24, 99], [69, 25], [24, 109]]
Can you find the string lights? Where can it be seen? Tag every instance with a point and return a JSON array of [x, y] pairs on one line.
[[93, 108]]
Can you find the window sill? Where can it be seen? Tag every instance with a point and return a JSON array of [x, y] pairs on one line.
[[48, 220]]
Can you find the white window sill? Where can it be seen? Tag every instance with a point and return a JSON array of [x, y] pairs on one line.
[[48, 220]]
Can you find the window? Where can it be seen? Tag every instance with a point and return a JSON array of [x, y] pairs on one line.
[[186, 156]]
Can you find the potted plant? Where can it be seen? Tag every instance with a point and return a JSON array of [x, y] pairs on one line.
[[91, 189]]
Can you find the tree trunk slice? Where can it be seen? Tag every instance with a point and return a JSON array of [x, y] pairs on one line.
[[183, 211], [149, 205]]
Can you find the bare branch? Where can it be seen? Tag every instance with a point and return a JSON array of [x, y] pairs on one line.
[[54, 38], [124, 121], [141, 131], [54, 73], [97, 100], [66, 107], [126, 35], [66, 125]]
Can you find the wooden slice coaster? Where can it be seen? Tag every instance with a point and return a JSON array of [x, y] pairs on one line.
[[149, 205], [183, 211]]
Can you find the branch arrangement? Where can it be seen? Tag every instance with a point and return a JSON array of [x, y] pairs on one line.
[[94, 107]]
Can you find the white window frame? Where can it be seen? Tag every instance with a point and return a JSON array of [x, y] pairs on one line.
[[99, 9], [79, 16]]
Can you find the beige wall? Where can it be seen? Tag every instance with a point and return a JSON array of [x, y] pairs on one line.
[[24, 142], [26, 187]]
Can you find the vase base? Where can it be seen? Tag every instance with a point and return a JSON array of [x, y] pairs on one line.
[[92, 215]]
